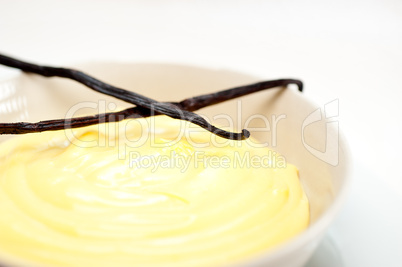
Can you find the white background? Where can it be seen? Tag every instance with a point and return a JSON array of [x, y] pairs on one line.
[[346, 50]]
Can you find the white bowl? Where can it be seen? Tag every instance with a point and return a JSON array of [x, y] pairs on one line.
[[305, 134]]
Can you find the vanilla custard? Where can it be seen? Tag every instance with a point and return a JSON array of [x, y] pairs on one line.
[[146, 192]]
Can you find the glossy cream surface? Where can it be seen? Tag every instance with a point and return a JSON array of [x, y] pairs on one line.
[[158, 192]]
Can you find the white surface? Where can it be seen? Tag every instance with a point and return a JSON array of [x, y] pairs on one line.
[[346, 50]]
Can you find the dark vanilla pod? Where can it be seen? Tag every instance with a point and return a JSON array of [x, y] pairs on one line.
[[145, 106]]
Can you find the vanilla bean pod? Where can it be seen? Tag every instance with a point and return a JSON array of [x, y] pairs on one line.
[[201, 101], [145, 106]]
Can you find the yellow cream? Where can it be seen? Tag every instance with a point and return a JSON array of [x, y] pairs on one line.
[[144, 193]]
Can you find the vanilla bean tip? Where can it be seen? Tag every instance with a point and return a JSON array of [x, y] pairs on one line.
[[245, 133]]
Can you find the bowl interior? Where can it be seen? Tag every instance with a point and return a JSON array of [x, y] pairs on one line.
[[303, 133]]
